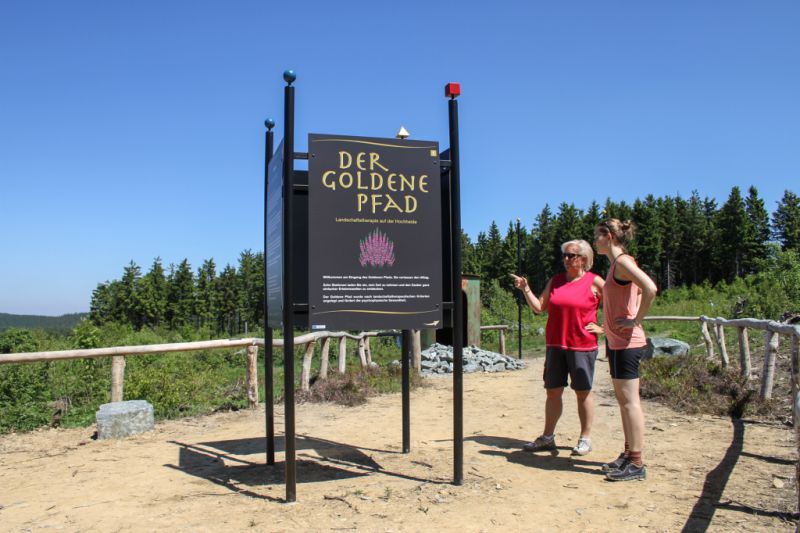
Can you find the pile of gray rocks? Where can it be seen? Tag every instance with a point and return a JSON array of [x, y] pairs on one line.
[[438, 359]]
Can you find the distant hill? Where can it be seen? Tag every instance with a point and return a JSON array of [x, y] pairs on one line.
[[54, 324]]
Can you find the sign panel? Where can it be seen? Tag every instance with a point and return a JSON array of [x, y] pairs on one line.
[[274, 251], [375, 258]]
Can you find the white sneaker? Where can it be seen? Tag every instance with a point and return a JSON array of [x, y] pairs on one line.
[[583, 447]]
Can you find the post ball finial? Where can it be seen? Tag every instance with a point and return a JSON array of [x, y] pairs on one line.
[[289, 76], [269, 123]]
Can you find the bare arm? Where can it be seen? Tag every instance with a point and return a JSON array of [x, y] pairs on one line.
[[536, 304], [627, 269], [597, 288]]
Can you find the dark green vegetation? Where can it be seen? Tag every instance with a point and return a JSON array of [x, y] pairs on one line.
[[57, 324], [681, 243], [706, 260], [67, 393]]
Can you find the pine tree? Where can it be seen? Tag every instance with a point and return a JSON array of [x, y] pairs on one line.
[[129, 296], [491, 255], [620, 211], [153, 295], [180, 295], [591, 219], [755, 248], [786, 221], [103, 305], [469, 257], [227, 290], [480, 254], [251, 290], [507, 262], [693, 242], [732, 227], [568, 227], [648, 237], [670, 236], [205, 294], [539, 253]]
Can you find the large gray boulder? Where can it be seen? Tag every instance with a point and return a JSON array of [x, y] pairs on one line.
[[665, 347], [122, 419]]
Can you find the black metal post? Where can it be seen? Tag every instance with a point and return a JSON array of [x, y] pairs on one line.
[[458, 307], [405, 349], [269, 403], [519, 300], [288, 297]]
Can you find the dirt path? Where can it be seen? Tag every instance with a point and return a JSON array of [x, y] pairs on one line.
[[208, 474]]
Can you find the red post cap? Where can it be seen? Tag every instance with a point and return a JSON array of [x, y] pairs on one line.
[[451, 90]]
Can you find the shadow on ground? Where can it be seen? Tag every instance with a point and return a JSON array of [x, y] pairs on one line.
[[559, 459], [711, 498], [240, 465]]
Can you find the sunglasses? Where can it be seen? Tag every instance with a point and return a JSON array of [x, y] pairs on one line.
[[567, 255]]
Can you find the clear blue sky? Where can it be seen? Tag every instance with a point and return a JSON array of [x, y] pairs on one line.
[[131, 130]]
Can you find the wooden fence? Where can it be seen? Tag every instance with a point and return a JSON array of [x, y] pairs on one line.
[[251, 345], [502, 328], [713, 332]]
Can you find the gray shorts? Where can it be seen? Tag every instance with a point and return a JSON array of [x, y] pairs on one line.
[[579, 366]]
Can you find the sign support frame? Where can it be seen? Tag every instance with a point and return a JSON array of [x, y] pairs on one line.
[[452, 167]]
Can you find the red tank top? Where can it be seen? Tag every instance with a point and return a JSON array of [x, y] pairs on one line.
[[570, 307]]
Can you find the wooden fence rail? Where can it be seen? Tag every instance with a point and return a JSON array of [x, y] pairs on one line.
[[772, 331], [502, 328], [119, 353]]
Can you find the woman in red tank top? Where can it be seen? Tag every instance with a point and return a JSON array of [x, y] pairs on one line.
[[627, 297], [571, 300]]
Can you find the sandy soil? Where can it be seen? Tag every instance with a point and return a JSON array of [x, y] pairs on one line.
[[209, 473]]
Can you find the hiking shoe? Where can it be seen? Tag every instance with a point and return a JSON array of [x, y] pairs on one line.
[[541, 444], [583, 447], [628, 472], [616, 464]]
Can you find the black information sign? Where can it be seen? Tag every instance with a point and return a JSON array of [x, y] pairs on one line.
[[274, 255], [375, 258]]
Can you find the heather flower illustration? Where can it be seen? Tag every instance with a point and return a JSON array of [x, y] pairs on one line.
[[376, 250]]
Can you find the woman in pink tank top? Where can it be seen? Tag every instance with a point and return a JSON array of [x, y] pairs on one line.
[[627, 296], [571, 299]]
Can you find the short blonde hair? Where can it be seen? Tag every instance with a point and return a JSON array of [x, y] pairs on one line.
[[585, 251]]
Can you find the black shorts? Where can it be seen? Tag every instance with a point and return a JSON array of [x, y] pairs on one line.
[[579, 366], [624, 364]]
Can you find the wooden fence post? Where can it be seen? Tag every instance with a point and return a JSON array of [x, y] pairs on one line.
[[305, 376], [251, 377], [342, 355], [707, 338], [719, 333], [362, 353], [771, 340], [744, 353], [416, 350], [323, 358], [502, 341], [117, 377], [368, 351]]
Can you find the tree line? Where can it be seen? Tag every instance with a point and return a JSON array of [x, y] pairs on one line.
[[230, 301], [679, 242]]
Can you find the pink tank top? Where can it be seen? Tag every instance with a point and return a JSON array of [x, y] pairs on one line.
[[570, 307], [621, 300]]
